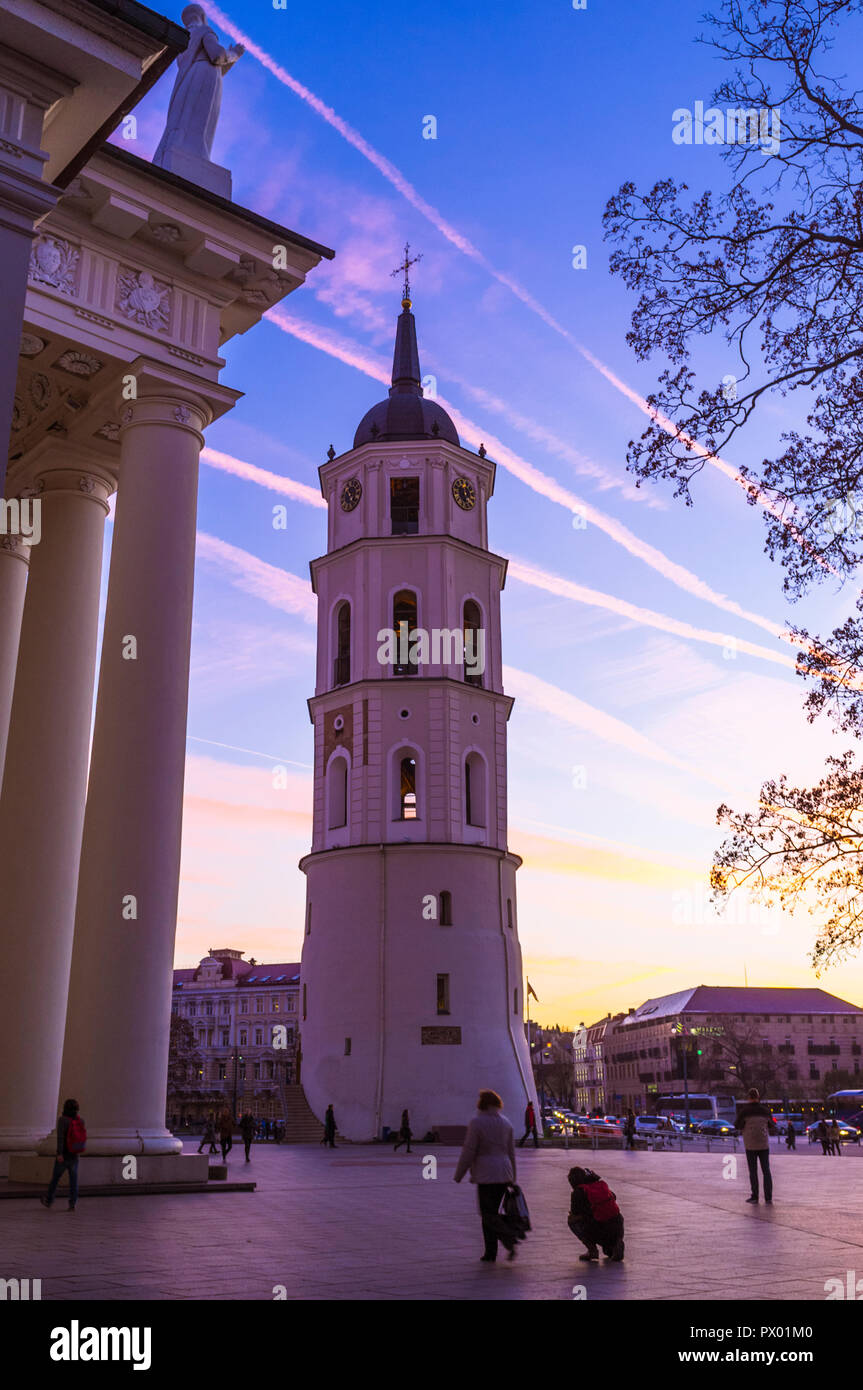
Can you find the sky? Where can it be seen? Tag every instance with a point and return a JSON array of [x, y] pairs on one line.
[[641, 638]]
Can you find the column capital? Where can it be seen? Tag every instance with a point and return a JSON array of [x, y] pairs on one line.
[[176, 389], [15, 547], [74, 471]]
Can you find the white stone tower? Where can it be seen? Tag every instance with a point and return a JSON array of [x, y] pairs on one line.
[[412, 992]]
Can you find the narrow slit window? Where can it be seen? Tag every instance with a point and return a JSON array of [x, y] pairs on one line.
[[446, 909], [443, 994], [342, 665]]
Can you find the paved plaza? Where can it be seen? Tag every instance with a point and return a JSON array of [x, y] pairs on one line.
[[360, 1222]]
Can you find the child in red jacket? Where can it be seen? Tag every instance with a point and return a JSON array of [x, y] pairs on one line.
[[594, 1215]]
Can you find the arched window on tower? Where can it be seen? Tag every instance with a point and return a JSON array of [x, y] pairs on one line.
[[472, 623], [408, 789], [474, 790], [404, 623], [337, 793], [342, 663]]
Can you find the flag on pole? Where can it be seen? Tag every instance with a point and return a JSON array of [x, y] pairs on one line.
[[531, 990]]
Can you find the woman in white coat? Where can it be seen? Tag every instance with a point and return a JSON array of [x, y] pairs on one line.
[[489, 1155]]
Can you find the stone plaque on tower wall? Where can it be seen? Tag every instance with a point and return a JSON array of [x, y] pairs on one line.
[[440, 1034]]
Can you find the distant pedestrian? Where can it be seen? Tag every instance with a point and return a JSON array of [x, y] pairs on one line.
[[629, 1128], [329, 1138], [489, 1154], [753, 1123], [594, 1215], [824, 1136], [529, 1126], [71, 1141], [405, 1135], [247, 1130], [226, 1133], [790, 1137], [835, 1139], [209, 1136]]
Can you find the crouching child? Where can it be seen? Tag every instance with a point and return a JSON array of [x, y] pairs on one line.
[[594, 1215]]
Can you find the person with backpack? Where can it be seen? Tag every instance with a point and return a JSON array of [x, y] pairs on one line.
[[405, 1133], [594, 1216], [71, 1142], [754, 1123], [488, 1154]]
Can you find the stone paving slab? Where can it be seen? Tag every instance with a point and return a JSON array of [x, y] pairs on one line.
[[362, 1223]]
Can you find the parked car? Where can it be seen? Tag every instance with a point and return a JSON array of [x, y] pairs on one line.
[[600, 1128]]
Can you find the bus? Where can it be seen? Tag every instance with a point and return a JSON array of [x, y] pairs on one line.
[[799, 1113], [701, 1107], [847, 1105]]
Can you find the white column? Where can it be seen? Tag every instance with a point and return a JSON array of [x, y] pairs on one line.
[[42, 804], [14, 559], [116, 1050]]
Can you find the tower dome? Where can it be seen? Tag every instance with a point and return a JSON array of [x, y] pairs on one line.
[[406, 413]]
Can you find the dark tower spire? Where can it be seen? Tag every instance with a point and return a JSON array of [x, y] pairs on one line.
[[406, 359]]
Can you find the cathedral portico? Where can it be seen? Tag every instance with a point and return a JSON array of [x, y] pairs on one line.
[[136, 280]]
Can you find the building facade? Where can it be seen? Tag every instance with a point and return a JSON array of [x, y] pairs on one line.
[[412, 989], [243, 1020], [788, 1042]]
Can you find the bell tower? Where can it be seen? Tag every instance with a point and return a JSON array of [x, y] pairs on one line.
[[412, 993]]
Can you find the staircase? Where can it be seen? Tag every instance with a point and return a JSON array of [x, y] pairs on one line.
[[302, 1125]]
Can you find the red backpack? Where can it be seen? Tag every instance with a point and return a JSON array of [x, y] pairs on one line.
[[76, 1136], [601, 1198]]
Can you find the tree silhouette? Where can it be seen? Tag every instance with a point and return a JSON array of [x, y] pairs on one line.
[[773, 266]]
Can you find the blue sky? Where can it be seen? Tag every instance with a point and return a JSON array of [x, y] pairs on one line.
[[542, 111]]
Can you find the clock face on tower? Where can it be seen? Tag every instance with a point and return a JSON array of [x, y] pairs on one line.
[[464, 493], [351, 494]]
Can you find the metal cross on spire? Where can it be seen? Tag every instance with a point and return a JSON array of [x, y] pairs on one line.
[[403, 270]]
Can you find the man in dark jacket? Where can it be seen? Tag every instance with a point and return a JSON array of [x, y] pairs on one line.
[[529, 1126], [67, 1159], [755, 1124], [329, 1138], [594, 1215], [248, 1126]]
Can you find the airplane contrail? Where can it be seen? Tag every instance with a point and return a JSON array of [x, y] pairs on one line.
[[467, 248], [345, 350], [525, 572]]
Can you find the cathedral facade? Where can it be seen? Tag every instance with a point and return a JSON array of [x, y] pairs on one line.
[[411, 982]]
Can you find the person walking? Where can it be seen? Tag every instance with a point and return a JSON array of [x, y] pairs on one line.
[[529, 1126], [329, 1139], [790, 1137], [71, 1141], [247, 1130], [753, 1123], [824, 1136], [226, 1133], [629, 1128], [405, 1134], [488, 1154], [835, 1139], [209, 1136]]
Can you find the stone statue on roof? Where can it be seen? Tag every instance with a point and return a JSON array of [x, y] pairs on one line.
[[193, 112]]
